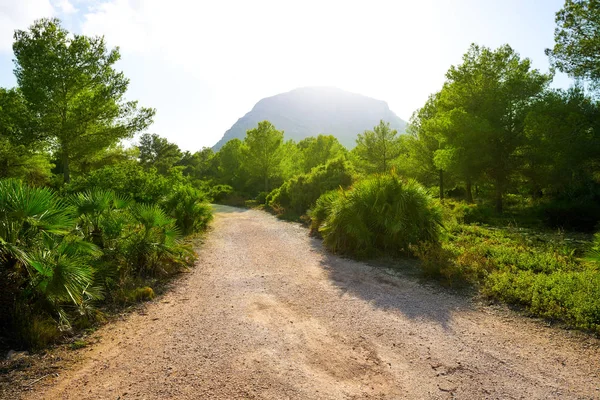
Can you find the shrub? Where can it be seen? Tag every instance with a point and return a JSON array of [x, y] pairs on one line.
[[466, 213], [382, 214], [153, 248], [37, 331], [300, 193], [43, 266], [189, 208], [321, 210], [218, 193], [261, 198], [437, 261], [516, 266], [131, 181], [142, 294], [573, 297]]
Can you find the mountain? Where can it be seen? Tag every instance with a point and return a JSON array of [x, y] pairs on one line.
[[311, 111]]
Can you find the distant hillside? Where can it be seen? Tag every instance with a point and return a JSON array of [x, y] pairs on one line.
[[313, 110]]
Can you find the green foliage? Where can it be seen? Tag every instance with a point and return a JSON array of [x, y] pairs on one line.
[[317, 151], [560, 153], [42, 265], [538, 272], [35, 331], [261, 198], [141, 294], [481, 113], [130, 180], [418, 148], [60, 257], [572, 297], [262, 154], [218, 193], [78, 344], [381, 214], [189, 208], [73, 91], [158, 153], [22, 162], [153, 245], [300, 193], [469, 213], [378, 148], [577, 40], [593, 253], [230, 165], [201, 165]]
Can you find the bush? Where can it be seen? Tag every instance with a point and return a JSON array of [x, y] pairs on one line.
[[382, 214], [153, 248], [466, 213], [189, 208], [573, 297], [300, 193], [540, 273], [131, 181], [218, 193], [261, 198]]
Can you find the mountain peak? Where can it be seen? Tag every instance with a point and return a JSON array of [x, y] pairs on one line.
[[314, 110]]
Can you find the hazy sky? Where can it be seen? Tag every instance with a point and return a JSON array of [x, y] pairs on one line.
[[204, 64]]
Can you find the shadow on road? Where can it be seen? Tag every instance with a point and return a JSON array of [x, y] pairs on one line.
[[392, 291]]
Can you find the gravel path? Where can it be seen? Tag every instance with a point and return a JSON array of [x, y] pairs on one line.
[[268, 314]]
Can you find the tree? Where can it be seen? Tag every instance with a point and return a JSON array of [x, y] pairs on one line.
[[158, 152], [74, 92], [199, 165], [484, 104], [560, 154], [292, 160], [419, 146], [229, 162], [577, 40], [319, 150], [262, 152], [378, 148], [22, 155]]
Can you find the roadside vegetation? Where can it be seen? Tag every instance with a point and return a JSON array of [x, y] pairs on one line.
[[86, 225]]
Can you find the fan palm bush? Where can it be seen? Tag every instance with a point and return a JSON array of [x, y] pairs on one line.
[[102, 214], [153, 246], [189, 208], [104, 218], [43, 267], [381, 214]]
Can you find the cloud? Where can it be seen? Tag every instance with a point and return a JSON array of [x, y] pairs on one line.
[[19, 15], [65, 7]]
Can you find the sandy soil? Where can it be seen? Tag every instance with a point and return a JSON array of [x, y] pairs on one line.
[[268, 314]]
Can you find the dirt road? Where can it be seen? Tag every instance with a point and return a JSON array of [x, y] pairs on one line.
[[268, 314]]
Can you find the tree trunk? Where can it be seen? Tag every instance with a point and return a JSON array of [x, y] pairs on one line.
[[498, 198], [66, 170], [469, 191], [441, 184]]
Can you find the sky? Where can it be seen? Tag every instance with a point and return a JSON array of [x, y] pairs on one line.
[[204, 64]]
